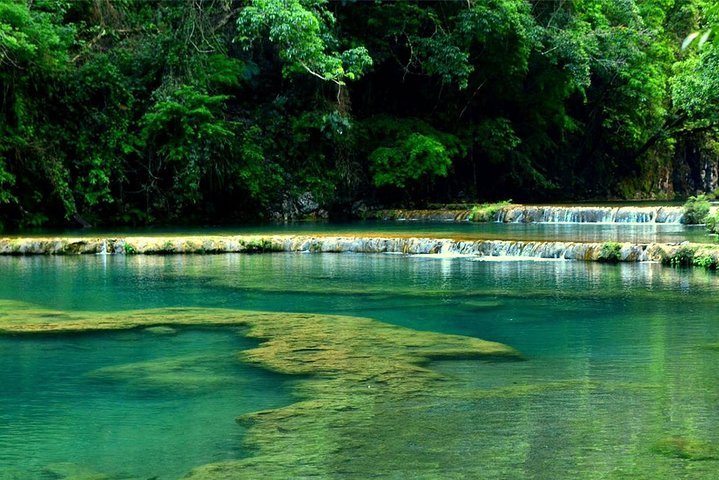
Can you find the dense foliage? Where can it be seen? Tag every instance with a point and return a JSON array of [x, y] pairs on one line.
[[696, 210], [131, 112]]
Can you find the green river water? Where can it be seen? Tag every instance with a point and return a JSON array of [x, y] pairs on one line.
[[567, 232], [617, 379]]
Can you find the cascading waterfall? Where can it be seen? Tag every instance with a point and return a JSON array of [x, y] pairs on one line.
[[598, 214], [494, 249], [549, 214]]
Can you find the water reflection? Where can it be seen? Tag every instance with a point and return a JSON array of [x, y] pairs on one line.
[[619, 377]]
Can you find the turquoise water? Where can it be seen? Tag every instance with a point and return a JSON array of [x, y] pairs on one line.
[[114, 403], [638, 233], [618, 360]]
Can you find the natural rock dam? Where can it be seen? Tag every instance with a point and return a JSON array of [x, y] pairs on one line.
[[548, 214], [586, 251]]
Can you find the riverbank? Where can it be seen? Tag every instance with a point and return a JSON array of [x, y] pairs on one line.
[[684, 253]]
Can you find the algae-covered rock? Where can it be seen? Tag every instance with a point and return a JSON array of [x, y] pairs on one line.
[[366, 396], [13, 474], [687, 448], [186, 374], [72, 471]]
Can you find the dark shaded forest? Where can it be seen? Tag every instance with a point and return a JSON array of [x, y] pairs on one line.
[[128, 112]]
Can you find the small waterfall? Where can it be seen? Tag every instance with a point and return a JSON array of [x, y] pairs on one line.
[[431, 247], [548, 214], [590, 214], [480, 249]]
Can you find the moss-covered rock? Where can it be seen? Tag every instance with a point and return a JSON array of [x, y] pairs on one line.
[[72, 471], [13, 474], [366, 401], [184, 375]]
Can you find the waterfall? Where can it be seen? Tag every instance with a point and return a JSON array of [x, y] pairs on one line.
[[103, 248], [596, 214], [549, 214], [480, 249], [431, 247]]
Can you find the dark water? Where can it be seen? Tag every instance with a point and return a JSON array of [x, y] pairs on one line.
[[631, 350]]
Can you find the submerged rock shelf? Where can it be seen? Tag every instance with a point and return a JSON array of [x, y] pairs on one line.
[[547, 214], [585, 251], [353, 372]]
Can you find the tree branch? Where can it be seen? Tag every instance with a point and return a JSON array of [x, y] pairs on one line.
[[89, 45]]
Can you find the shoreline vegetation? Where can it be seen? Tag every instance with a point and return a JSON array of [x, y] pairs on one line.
[[135, 113], [675, 254]]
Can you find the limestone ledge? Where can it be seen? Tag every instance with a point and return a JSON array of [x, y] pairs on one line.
[[628, 252], [518, 213]]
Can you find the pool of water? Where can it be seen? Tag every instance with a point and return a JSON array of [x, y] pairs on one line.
[[619, 376], [133, 404], [637, 233]]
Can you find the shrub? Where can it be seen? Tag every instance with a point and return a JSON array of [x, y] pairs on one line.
[[260, 245], [611, 252], [706, 261], [712, 222], [696, 210], [682, 257], [487, 212]]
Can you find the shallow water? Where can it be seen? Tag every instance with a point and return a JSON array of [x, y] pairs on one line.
[[620, 360], [118, 403]]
